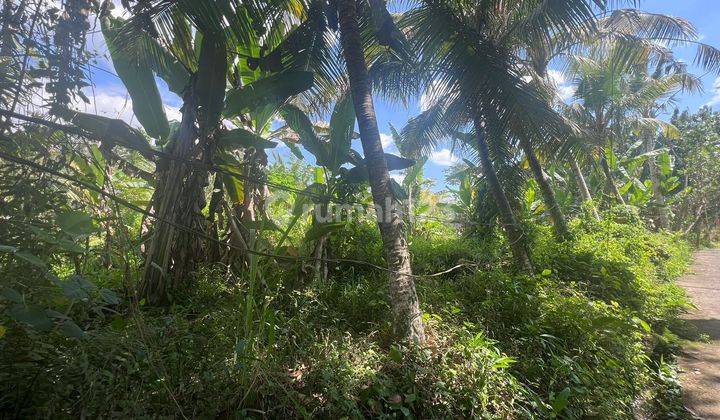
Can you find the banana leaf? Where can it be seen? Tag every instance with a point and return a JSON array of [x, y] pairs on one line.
[[139, 81], [273, 90]]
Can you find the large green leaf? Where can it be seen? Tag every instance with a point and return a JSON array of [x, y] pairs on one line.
[[242, 138], [75, 223], [666, 164], [414, 173], [610, 157], [211, 80], [397, 190], [149, 52], [397, 163], [167, 67], [109, 296], [30, 258], [11, 294], [234, 187], [356, 175], [31, 315], [139, 80], [300, 123], [359, 173], [72, 330], [111, 131], [271, 90], [342, 128], [386, 31]]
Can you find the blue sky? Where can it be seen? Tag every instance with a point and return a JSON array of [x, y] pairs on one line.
[[109, 94]]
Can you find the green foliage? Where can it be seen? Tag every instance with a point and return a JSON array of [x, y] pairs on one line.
[[279, 313], [269, 91], [210, 80], [576, 341], [138, 79], [241, 138]]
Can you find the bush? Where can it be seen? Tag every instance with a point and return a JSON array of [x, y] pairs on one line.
[[591, 336]]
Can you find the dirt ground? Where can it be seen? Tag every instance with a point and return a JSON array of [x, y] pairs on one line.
[[700, 363]]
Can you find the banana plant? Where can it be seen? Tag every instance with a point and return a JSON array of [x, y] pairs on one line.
[[214, 58], [341, 170], [631, 166]]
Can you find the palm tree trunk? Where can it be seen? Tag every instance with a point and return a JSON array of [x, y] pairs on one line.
[[179, 197], [514, 232], [584, 191], [558, 218], [407, 318], [610, 181]]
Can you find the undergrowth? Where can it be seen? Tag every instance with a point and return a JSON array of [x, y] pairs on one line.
[[591, 336]]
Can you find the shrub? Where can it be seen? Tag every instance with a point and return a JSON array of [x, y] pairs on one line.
[[590, 336]]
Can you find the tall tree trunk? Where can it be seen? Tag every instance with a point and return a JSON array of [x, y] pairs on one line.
[[661, 217], [179, 197], [610, 181], [513, 230], [584, 191], [407, 318], [558, 218]]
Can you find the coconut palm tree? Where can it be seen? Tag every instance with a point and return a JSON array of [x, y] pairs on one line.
[[612, 103], [478, 82], [407, 319], [638, 40]]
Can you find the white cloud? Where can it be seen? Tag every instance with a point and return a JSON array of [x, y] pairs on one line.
[[444, 157], [557, 77], [424, 103], [118, 10], [112, 101], [388, 143], [716, 93], [173, 113], [566, 92], [397, 177], [109, 102], [564, 89]]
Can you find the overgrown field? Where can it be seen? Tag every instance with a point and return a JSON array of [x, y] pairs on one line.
[[350, 208], [594, 335]]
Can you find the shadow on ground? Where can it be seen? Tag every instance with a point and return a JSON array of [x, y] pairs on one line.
[[711, 327]]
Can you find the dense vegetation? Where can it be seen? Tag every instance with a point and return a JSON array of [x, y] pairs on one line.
[[161, 268]]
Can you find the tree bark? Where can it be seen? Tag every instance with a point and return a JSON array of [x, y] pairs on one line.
[[584, 191], [515, 234], [179, 197], [556, 214], [610, 181], [407, 318]]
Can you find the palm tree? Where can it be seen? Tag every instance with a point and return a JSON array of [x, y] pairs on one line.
[[472, 59], [612, 102], [629, 40], [407, 320], [656, 93]]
